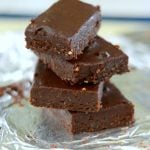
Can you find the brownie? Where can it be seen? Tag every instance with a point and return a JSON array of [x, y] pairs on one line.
[[50, 91], [99, 62], [66, 28], [117, 111]]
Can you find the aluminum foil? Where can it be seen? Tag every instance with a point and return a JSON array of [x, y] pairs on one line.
[[24, 127]]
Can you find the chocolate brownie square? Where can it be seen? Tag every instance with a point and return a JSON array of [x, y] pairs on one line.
[[99, 62], [50, 91], [66, 28], [116, 111]]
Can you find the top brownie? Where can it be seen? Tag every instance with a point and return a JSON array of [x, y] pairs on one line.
[[66, 28]]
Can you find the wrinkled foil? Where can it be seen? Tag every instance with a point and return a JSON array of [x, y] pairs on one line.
[[24, 127]]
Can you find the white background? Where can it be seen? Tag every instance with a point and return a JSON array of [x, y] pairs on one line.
[[117, 8]]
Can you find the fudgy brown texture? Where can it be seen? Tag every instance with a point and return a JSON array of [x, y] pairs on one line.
[[66, 28], [99, 62], [50, 91], [116, 111]]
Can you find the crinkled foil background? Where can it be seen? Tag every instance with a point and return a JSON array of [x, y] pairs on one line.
[[22, 126]]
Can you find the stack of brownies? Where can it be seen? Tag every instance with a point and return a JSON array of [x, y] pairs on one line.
[[75, 67]]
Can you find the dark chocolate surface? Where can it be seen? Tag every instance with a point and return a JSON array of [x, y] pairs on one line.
[[65, 17], [99, 62], [50, 91]]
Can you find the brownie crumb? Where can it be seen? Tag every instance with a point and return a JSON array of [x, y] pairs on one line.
[[83, 89], [70, 53], [98, 71], [117, 46], [77, 69], [17, 91], [86, 81]]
